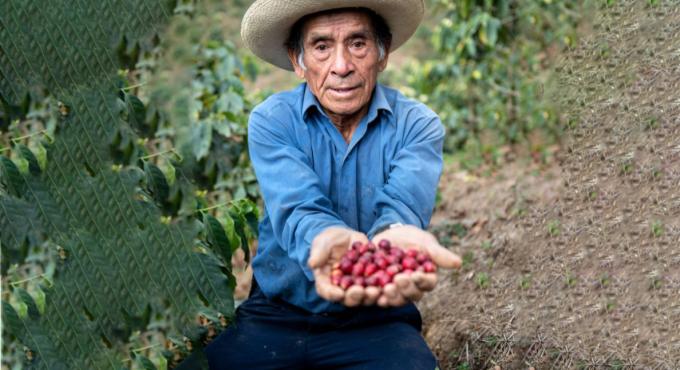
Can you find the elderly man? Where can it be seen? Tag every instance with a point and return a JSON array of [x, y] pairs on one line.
[[339, 159]]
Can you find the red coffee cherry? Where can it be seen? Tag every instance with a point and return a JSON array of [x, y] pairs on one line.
[[368, 265], [409, 263], [346, 282]]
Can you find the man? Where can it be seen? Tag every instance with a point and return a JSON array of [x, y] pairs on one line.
[[339, 159]]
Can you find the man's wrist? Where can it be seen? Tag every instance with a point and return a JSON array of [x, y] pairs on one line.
[[387, 227]]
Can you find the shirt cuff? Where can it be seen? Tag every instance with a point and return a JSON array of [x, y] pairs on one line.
[[382, 224]]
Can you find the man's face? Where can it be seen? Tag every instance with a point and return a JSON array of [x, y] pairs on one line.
[[341, 56]]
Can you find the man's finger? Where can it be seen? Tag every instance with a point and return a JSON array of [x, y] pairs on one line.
[[322, 246], [383, 301], [394, 297], [397, 301], [390, 291], [371, 295], [358, 237], [407, 288], [325, 288], [424, 281], [443, 257], [354, 295], [330, 292]]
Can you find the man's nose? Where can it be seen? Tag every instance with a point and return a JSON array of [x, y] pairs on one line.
[[342, 64]]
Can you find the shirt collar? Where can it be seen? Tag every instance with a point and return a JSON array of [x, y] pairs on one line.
[[378, 102]]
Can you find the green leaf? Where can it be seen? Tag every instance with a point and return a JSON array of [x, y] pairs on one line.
[[201, 138], [39, 297], [244, 213], [21, 228], [22, 309], [41, 155], [240, 224], [230, 230], [217, 237], [136, 112], [490, 29], [23, 165], [169, 172], [32, 308], [230, 102], [11, 177], [27, 154], [470, 46], [137, 320], [145, 363], [249, 210], [11, 320], [223, 127], [158, 186], [162, 363]]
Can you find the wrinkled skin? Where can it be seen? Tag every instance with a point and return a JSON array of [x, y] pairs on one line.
[[342, 65]]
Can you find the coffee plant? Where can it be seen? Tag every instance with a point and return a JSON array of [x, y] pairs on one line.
[[490, 61], [117, 225]]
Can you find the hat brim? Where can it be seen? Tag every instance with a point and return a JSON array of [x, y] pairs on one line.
[[267, 23]]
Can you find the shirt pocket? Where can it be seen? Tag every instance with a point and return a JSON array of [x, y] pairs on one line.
[[372, 181]]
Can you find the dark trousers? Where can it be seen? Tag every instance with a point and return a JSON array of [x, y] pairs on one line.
[[268, 334]]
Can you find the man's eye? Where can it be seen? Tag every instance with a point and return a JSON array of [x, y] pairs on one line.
[[359, 44], [321, 47]]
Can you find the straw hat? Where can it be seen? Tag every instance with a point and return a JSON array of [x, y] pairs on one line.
[[267, 23]]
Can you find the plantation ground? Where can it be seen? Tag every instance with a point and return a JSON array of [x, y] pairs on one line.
[[576, 264]]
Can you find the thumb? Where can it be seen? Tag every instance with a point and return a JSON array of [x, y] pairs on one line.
[[318, 256], [321, 248], [443, 257]]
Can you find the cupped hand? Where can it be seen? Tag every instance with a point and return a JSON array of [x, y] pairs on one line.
[[407, 287], [327, 249]]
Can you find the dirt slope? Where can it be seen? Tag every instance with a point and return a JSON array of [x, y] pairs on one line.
[[577, 266]]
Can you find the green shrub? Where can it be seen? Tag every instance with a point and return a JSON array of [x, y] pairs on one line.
[[490, 64], [116, 250]]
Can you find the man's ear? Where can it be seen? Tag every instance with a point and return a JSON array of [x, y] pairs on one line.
[[296, 67]]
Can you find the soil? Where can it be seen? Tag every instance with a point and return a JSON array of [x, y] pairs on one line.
[[576, 263]]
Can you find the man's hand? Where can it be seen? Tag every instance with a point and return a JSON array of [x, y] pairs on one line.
[[411, 287], [327, 249]]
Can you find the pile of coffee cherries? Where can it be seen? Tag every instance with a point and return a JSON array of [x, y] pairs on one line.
[[370, 265]]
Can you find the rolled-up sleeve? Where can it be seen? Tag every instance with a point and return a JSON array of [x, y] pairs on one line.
[[408, 195], [293, 197]]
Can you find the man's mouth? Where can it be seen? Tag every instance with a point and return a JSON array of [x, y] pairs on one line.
[[344, 90]]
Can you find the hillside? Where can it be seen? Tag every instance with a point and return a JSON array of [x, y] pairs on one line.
[[576, 265]]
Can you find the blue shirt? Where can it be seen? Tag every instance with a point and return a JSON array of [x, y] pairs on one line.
[[311, 179]]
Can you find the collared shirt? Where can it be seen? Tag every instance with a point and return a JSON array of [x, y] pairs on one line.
[[311, 179]]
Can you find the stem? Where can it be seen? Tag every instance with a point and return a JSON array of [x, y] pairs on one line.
[[13, 283], [133, 86], [212, 207], [143, 348], [29, 135], [162, 153]]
